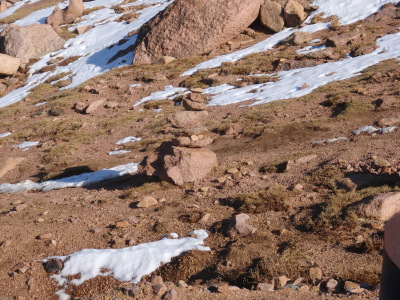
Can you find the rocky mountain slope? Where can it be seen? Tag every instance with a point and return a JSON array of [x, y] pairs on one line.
[[267, 132]]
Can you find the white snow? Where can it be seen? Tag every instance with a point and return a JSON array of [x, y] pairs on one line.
[[371, 129], [168, 91], [118, 152], [129, 139], [330, 141], [95, 47], [290, 81], [81, 180], [26, 145], [348, 11], [40, 104], [135, 85], [125, 264], [5, 134], [218, 89], [310, 49]]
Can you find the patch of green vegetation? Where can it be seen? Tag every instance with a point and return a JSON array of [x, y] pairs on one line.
[[275, 198], [147, 188], [325, 177], [57, 77], [260, 79]]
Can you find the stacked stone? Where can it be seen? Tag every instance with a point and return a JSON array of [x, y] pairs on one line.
[[184, 159]]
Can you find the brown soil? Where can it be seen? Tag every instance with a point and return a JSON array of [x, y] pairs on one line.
[[297, 227]]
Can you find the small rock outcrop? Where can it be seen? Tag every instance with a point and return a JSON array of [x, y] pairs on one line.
[[193, 27], [184, 159], [380, 207], [67, 15], [27, 42], [8, 64], [238, 226], [179, 164]]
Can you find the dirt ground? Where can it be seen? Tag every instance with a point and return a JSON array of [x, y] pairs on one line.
[[300, 210]]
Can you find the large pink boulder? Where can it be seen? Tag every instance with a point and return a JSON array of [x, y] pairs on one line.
[[27, 42], [194, 27]]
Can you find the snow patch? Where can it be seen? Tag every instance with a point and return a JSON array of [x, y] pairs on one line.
[[129, 139], [26, 145], [118, 152], [330, 141], [5, 134], [169, 92], [81, 180], [125, 264]]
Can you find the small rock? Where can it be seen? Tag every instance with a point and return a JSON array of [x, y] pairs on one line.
[[265, 287], [304, 288], [349, 286], [182, 284], [204, 218], [6, 243], [358, 291], [51, 243], [44, 236], [238, 226], [298, 281], [54, 265], [298, 38], [82, 29], [39, 220], [94, 106], [315, 274], [132, 291], [197, 90], [232, 171], [147, 201], [20, 207], [204, 189], [332, 285], [389, 121], [156, 280], [162, 200], [133, 220], [170, 295], [30, 283], [80, 106], [184, 119], [281, 281], [159, 289], [122, 224], [381, 163], [193, 105]]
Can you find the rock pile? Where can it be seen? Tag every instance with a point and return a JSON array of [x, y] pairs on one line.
[[189, 27], [184, 159]]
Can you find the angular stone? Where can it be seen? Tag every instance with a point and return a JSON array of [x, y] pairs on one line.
[[271, 16], [8, 64], [294, 13], [21, 207], [165, 60], [389, 121], [315, 273], [332, 285], [122, 224], [192, 105], [349, 286], [380, 207], [82, 29], [184, 119], [265, 287], [159, 289], [170, 295], [281, 281], [238, 226], [93, 106], [204, 24], [299, 37], [147, 201]]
